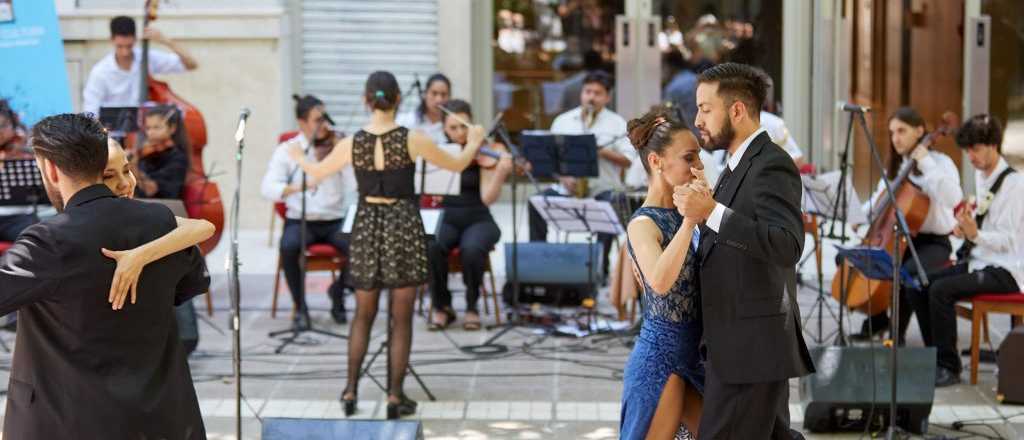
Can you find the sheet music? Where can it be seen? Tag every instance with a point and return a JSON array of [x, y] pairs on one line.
[[439, 181], [431, 220], [564, 214], [821, 192]]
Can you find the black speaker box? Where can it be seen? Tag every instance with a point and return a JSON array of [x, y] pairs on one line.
[[330, 429], [852, 387], [1011, 367]]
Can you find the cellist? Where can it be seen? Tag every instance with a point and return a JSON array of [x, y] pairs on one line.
[[938, 178], [113, 81]]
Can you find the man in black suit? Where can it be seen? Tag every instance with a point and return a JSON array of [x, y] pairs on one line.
[[82, 369], [750, 243]]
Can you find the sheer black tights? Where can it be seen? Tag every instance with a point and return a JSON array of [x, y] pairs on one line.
[[401, 303]]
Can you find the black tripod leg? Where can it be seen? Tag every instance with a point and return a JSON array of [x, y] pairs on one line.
[[422, 385], [366, 369]]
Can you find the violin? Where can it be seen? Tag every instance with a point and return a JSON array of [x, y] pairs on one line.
[[151, 148]]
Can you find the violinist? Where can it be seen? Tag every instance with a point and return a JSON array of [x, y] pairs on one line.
[[992, 257], [467, 224], [427, 116], [938, 177], [114, 80], [162, 161], [326, 202]]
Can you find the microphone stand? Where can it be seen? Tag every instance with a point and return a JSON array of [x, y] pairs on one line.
[[234, 285], [304, 324]]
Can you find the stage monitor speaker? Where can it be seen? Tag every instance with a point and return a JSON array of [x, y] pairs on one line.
[[332, 429], [1011, 367], [851, 380], [556, 264]]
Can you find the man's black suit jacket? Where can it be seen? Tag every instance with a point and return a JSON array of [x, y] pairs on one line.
[[748, 271], [80, 369]]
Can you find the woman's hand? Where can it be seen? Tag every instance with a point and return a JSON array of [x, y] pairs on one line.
[[505, 164], [126, 276], [476, 136]]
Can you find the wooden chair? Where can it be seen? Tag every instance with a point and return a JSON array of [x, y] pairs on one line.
[[319, 257], [980, 306]]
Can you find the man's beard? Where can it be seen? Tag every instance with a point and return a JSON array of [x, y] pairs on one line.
[[56, 199], [721, 141]]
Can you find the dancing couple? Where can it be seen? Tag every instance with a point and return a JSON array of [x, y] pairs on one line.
[[721, 330]]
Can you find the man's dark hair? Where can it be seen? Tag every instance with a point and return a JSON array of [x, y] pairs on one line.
[[122, 26], [738, 82], [305, 104], [982, 129], [75, 143], [599, 77], [592, 60]]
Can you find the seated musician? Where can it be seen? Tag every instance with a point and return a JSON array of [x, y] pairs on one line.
[[427, 116], [326, 202], [615, 154], [114, 80], [162, 162], [467, 224], [938, 178], [992, 257]]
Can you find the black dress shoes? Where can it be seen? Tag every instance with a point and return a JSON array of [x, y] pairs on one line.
[[945, 377]]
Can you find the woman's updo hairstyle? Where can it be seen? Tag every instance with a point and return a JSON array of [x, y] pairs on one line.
[[382, 91], [653, 132]]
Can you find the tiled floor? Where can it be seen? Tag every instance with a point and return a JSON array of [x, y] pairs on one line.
[[543, 387]]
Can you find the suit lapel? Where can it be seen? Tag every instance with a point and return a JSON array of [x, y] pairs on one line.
[[727, 193]]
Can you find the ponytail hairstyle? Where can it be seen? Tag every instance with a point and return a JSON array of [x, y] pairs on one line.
[[382, 92], [652, 133]]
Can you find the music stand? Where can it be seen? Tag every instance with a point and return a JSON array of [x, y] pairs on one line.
[[432, 219], [561, 154], [20, 185], [588, 216]]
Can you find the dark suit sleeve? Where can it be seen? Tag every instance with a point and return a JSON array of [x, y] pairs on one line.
[[775, 232], [196, 280], [29, 270]]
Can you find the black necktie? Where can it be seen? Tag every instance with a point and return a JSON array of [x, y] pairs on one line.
[[723, 179]]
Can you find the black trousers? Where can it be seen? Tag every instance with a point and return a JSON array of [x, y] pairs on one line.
[[745, 411], [475, 233], [539, 228], [937, 303], [316, 232], [934, 252]]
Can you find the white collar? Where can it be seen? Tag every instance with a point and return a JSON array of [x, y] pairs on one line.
[[991, 179], [734, 159]]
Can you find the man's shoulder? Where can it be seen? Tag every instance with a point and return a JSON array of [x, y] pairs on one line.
[[104, 65]]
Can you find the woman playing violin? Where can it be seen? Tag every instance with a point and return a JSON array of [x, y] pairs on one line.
[[467, 224], [162, 162], [938, 178]]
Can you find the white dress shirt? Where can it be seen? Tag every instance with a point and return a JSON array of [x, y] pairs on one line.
[[609, 129], [412, 121], [329, 200], [714, 221], [110, 86], [940, 181], [1000, 241]]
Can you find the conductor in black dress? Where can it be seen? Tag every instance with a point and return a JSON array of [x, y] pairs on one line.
[[750, 243], [80, 368]]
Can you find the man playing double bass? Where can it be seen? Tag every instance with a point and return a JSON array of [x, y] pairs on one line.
[[114, 80]]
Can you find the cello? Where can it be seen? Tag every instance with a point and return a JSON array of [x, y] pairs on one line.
[[873, 296], [200, 195]]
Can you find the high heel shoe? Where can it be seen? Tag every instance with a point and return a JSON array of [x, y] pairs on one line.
[[349, 405], [404, 407]]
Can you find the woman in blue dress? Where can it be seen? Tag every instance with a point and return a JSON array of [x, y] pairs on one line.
[[664, 377]]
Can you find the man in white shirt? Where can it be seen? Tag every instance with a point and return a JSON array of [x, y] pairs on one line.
[[114, 80], [326, 203], [615, 153], [992, 257]]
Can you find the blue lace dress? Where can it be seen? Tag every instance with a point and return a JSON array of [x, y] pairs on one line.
[[669, 338]]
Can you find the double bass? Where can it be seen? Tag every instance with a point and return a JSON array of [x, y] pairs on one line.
[[874, 296], [200, 195]]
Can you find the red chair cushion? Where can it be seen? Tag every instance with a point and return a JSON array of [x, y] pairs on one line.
[[1013, 298], [321, 250], [284, 137], [5, 245], [280, 209]]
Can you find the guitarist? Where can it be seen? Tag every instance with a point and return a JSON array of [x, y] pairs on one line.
[[939, 179], [114, 80], [991, 259]]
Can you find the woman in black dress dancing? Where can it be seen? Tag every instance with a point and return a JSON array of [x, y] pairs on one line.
[[388, 248]]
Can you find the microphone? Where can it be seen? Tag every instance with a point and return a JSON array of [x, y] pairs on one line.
[[416, 84], [849, 107], [240, 132]]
